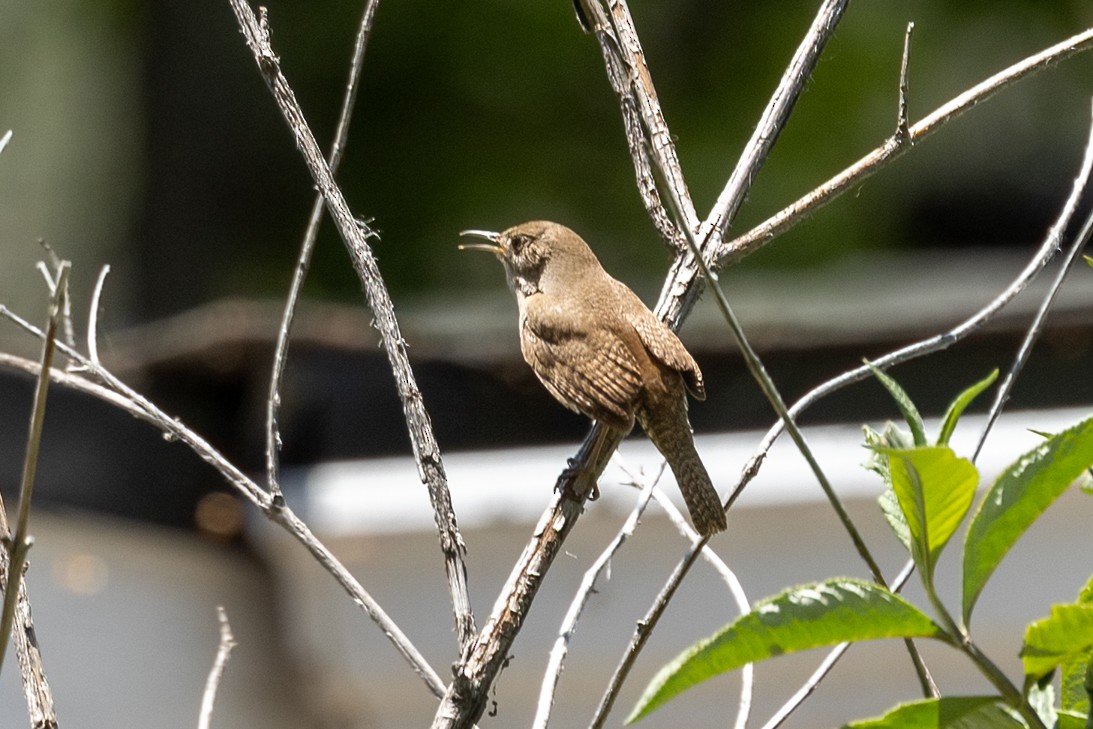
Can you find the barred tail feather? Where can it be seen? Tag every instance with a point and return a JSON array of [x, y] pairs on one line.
[[672, 437]]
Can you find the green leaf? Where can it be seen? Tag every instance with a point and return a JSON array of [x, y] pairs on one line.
[[889, 507], [1020, 495], [1065, 634], [809, 616], [903, 402], [1089, 260], [963, 400], [875, 463], [935, 489], [1077, 670], [1073, 693], [890, 437], [1085, 597], [1072, 720], [965, 712]]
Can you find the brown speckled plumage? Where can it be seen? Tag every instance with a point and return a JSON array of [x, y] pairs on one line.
[[600, 351]]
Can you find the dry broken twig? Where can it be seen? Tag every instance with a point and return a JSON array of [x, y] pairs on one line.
[[212, 683]]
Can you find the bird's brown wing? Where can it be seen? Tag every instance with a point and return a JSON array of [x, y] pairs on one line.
[[663, 344], [597, 377]]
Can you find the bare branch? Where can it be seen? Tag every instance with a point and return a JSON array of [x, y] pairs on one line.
[[918, 349], [18, 623], [18, 543], [36, 691], [891, 149], [681, 289], [212, 683], [465, 699], [1036, 327], [303, 262], [643, 631], [771, 123], [662, 148], [642, 118], [45, 268], [355, 234], [580, 599], [125, 398], [747, 673]]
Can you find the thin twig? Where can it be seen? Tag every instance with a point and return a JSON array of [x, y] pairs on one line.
[[46, 269], [903, 132], [93, 317], [212, 683], [120, 395], [774, 397], [624, 62], [568, 628], [1043, 255], [770, 390], [36, 691], [771, 123], [1055, 237], [18, 543], [1034, 330], [747, 673], [892, 149], [356, 234], [642, 632], [303, 261], [698, 545]]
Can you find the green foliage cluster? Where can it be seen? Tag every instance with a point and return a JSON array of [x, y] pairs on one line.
[[931, 490]]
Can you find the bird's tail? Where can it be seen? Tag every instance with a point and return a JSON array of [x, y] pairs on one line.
[[671, 434]]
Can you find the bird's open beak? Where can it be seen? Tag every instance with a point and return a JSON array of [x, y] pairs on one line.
[[494, 245]]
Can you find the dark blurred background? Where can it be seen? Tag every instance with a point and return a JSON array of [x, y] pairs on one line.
[[145, 138]]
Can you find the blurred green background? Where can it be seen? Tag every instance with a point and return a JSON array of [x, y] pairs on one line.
[[145, 138]]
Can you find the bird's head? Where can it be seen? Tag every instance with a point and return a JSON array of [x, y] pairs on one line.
[[535, 254]]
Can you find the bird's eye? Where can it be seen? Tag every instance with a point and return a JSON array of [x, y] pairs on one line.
[[519, 241]]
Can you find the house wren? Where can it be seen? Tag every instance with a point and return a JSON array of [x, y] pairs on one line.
[[600, 351]]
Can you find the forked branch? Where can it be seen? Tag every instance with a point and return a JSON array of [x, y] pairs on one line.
[[893, 148]]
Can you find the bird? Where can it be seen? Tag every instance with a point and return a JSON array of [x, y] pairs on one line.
[[599, 350]]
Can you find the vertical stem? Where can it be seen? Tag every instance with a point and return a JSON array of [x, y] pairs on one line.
[[19, 542], [303, 262]]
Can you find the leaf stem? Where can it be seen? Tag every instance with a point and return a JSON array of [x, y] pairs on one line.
[[961, 640]]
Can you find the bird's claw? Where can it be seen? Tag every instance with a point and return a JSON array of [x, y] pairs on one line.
[[569, 477]]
